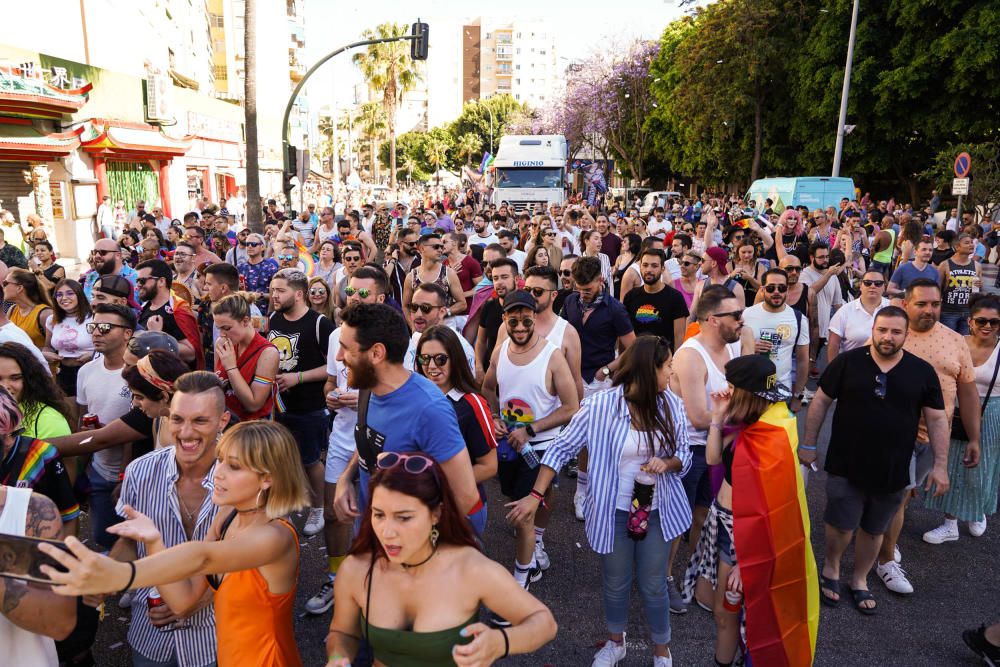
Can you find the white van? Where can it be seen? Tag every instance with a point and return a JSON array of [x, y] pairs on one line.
[[658, 198]]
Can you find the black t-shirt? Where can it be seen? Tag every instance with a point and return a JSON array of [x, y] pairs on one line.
[[560, 299], [938, 255], [490, 320], [473, 420], [36, 464], [169, 323], [302, 346], [655, 313], [137, 420], [872, 438]]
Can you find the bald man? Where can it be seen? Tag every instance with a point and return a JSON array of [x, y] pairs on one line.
[[108, 261]]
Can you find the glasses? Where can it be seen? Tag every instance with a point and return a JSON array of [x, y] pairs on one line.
[[362, 292], [142, 281], [182, 255], [317, 291], [11, 282], [537, 292], [565, 273], [253, 244], [771, 289], [439, 359], [796, 269], [64, 295], [436, 246], [881, 381], [549, 234], [987, 322], [102, 253], [422, 307], [686, 262], [412, 463], [103, 328], [524, 322], [735, 314], [352, 258], [873, 283]]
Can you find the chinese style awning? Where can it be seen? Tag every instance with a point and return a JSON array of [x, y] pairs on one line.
[[34, 98], [122, 140], [19, 140]]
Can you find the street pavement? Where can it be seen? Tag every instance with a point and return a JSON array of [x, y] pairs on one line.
[[956, 588]]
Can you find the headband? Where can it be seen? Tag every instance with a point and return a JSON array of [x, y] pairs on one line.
[[149, 374]]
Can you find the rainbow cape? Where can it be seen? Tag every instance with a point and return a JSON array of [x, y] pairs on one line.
[[771, 532], [305, 257]]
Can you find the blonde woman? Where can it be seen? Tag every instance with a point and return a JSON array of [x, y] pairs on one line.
[[250, 556], [320, 297]]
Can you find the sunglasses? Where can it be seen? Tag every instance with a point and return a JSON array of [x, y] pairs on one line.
[[352, 258], [315, 291], [254, 244], [566, 273], [881, 381], [873, 283], [524, 322], [142, 281], [987, 321], [796, 269], [104, 328], [105, 252], [363, 292], [422, 307], [689, 263], [412, 463], [64, 295], [439, 359], [735, 314], [537, 292], [771, 289], [286, 258], [436, 246]]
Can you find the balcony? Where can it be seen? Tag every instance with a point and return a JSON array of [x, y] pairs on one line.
[[505, 53]]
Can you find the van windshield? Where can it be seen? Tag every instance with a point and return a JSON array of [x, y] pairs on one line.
[[529, 177]]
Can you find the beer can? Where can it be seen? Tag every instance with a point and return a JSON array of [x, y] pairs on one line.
[[90, 420], [153, 599]]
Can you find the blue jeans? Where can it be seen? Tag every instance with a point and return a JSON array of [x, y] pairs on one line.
[[958, 322], [647, 559], [102, 510]]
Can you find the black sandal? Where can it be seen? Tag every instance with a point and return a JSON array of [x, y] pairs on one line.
[[863, 596], [832, 585]]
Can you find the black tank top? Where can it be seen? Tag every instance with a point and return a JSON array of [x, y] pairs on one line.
[[802, 305]]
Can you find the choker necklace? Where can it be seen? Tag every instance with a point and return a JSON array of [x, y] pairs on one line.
[[408, 566], [249, 511]]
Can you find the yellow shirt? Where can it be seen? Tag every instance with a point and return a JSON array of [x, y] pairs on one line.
[[29, 323], [949, 354]]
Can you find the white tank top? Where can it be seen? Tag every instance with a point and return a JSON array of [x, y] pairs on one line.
[[984, 374], [555, 336], [715, 381], [20, 646], [523, 396]]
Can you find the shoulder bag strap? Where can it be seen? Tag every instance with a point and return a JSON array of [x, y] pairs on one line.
[[993, 381], [361, 440]]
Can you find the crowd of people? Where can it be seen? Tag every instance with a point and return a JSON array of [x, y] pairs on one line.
[[374, 366]]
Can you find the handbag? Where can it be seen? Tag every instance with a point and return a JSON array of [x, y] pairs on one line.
[[957, 427]]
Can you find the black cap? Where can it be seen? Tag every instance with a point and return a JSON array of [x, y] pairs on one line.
[[757, 374], [520, 299], [114, 284], [144, 342]]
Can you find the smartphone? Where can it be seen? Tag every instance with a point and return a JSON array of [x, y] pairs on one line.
[[21, 559]]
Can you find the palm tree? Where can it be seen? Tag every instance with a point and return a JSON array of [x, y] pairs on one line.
[[468, 146], [437, 153], [371, 120], [255, 216], [389, 69], [409, 163], [326, 129]]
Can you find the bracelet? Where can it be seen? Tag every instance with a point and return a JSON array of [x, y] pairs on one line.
[[300, 377], [229, 370], [808, 448], [716, 425], [539, 497], [121, 476], [131, 578], [506, 643]]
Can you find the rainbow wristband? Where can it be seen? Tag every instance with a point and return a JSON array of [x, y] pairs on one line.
[[260, 379]]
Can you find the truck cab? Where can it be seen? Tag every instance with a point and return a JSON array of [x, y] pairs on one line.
[[530, 170]]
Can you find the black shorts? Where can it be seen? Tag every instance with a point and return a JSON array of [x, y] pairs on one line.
[[310, 433], [517, 478], [849, 507]]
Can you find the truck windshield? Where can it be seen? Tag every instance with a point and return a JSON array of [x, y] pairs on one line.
[[521, 177]]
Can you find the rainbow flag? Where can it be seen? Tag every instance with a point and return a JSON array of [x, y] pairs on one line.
[[306, 258], [771, 532], [486, 162]]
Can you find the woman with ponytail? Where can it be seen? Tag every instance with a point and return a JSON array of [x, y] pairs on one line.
[[245, 360]]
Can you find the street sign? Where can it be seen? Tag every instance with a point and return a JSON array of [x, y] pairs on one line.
[[959, 186], [963, 163]]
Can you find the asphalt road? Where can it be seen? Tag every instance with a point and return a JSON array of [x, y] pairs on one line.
[[956, 588]]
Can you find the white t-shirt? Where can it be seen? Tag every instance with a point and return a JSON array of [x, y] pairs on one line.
[[70, 338], [674, 269], [106, 395], [410, 360], [781, 330], [829, 297], [11, 333], [656, 227], [342, 431], [476, 239], [853, 324], [518, 256], [635, 454]]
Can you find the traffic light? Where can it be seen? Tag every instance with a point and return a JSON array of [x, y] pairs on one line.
[[289, 171], [418, 46]]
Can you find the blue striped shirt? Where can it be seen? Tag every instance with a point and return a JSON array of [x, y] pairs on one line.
[[602, 426], [150, 487]]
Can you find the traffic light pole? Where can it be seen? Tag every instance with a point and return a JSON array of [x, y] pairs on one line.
[[285, 129]]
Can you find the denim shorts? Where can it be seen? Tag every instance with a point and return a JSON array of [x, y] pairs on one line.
[[727, 551], [697, 482], [309, 431]]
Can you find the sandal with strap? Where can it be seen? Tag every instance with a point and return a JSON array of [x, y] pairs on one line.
[[860, 596], [831, 585]]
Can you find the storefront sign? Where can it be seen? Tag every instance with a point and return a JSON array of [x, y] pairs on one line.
[[18, 76], [214, 128]]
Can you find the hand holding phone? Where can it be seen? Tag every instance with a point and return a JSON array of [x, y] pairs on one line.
[[21, 559]]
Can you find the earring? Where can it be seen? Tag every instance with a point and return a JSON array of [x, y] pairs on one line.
[[258, 504], [434, 536]]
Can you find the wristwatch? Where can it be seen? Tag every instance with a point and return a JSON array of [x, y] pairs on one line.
[[530, 430], [606, 371]]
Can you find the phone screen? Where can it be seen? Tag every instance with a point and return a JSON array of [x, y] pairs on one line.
[[21, 559]]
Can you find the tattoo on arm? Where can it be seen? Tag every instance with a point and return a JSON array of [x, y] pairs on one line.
[[43, 518], [14, 591]]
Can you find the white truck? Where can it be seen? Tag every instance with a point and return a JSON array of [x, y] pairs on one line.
[[530, 170]]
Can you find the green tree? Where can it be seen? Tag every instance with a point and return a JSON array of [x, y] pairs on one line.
[[436, 149], [371, 123], [389, 70], [467, 147], [984, 186], [479, 116]]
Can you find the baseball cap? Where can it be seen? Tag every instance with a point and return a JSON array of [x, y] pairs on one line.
[[519, 299], [757, 374], [115, 285], [144, 342], [719, 256]]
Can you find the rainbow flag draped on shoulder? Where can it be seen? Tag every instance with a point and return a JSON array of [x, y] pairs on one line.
[[306, 257], [771, 534]]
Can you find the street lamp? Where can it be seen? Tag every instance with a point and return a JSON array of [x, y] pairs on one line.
[[845, 93]]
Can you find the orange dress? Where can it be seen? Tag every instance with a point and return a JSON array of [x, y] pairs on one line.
[[254, 627]]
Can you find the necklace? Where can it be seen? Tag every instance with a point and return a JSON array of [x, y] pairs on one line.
[[408, 566], [184, 509], [537, 338]]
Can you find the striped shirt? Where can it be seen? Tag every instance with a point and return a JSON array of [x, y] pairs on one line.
[[601, 426], [150, 486]]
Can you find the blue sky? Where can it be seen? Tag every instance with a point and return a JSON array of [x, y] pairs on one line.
[[583, 26]]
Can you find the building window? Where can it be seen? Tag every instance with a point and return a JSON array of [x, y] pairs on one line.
[[489, 35], [216, 21], [220, 72], [220, 45]]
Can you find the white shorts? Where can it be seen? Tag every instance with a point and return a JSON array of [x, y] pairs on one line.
[[591, 388], [337, 459]]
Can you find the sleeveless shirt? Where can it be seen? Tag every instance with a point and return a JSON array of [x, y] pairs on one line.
[[715, 381], [524, 397]]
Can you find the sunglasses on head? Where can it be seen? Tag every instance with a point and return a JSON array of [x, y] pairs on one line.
[[422, 307], [771, 289], [362, 292], [873, 283], [104, 328], [412, 463], [438, 359]]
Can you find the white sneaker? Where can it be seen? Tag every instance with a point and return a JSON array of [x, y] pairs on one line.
[[663, 660], [946, 532], [977, 528], [323, 600], [894, 578], [610, 654], [578, 506], [542, 559], [125, 601], [896, 556], [314, 523], [807, 395]]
